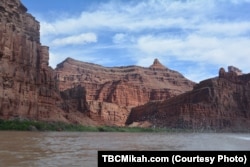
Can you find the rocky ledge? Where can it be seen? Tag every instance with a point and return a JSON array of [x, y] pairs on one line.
[[218, 103]]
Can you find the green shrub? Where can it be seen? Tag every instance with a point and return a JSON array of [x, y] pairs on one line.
[[26, 125]]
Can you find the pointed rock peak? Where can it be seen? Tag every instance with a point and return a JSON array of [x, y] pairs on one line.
[[69, 59], [157, 65], [156, 61]]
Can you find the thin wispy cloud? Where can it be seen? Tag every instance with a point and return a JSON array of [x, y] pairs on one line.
[[80, 39], [194, 37]]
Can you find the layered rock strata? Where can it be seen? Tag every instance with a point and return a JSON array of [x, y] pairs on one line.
[[28, 88], [108, 113], [112, 92], [218, 103], [124, 86]]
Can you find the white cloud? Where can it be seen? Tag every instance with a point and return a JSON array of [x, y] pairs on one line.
[[202, 32], [240, 1], [47, 28], [75, 39], [150, 14], [200, 71], [199, 49], [119, 38], [83, 55], [157, 45], [225, 28]]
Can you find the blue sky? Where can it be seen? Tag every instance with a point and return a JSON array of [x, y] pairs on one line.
[[194, 37]]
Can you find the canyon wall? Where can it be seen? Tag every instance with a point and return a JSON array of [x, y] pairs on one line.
[[218, 103], [75, 92], [28, 89], [125, 86], [112, 92], [90, 94]]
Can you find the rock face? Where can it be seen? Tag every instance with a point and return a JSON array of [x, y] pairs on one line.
[[28, 88], [125, 86], [91, 94], [235, 70], [108, 113], [113, 91], [157, 65], [218, 103]]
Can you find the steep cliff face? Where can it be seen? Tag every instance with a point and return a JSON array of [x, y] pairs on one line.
[[112, 92], [108, 113], [218, 103], [75, 99], [96, 95], [124, 86], [28, 88]]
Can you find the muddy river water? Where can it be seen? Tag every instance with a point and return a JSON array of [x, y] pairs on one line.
[[51, 149]]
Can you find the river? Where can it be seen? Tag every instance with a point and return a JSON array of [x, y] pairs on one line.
[[52, 149]]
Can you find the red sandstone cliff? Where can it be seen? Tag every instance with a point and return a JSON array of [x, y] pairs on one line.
[[111, 92], [126, 86], [218, 103], [27, 85], [78, 92]]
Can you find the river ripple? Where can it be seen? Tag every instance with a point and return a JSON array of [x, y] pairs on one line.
[[51, 149]]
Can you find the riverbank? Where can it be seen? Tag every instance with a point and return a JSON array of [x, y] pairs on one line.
[[28, 125], [31, 125]]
